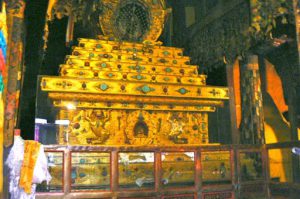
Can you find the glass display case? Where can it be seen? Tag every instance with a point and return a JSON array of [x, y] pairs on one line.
[[178, 169], [55, 168], [136, 170], [216, 167], [250, 166], [90, 171]]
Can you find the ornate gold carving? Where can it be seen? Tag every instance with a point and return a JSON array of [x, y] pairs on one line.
[[120, 127], [113, 8]]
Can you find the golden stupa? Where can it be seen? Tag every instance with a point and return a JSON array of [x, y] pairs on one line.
[[125, 88]]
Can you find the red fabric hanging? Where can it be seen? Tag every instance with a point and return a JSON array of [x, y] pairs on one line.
[[2, 62]]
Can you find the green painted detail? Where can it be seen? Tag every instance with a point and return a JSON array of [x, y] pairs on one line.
[[166, 53], [137, 68], [168, 70], [183, 91], [103, 87], [166, 79], [199, 107], [135, 50], [103, 65], [145, 89]]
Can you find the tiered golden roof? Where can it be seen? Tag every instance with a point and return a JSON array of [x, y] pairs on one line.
[[130, 75]]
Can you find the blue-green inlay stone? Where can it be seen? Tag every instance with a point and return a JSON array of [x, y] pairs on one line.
[[139, 77], [82, 161], [110, 75], [183, 91], [174, 61], [168, 70], [91, 55], [103, 65], [145, 89], [139, 68], [98, 46], [103, 87]]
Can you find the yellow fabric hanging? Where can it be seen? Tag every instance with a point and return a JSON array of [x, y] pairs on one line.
[[31, 152]]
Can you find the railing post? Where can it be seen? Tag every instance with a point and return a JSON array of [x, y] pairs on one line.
[[67, 171]]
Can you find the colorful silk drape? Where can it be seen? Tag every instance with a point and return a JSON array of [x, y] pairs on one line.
[[3, 48]]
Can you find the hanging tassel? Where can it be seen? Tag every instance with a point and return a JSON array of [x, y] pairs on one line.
[[70, 30]]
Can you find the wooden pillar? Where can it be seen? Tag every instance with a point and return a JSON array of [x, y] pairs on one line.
[[232, 104], [252, 123], [296, 6], [12, 76]]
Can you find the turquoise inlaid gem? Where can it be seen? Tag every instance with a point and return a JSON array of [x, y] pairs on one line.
[[145, 89], [174, 61], [103, 87], [110, 75], [82, 161], [139, 77], [91, 55], [103, 65], [191, 80], [168, 70], [183, 91], [98, 46]]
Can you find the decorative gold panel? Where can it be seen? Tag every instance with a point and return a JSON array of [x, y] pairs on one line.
[[123, 127], [110, 45], [144, 58], [108, 74], [62, 84], [129, 106], [115, 67]]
